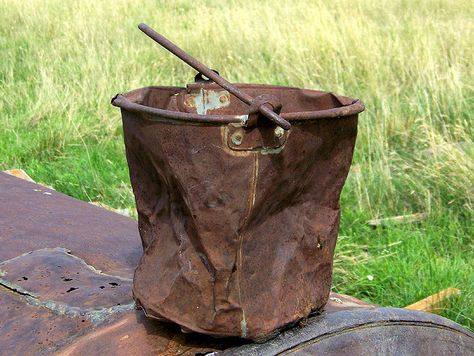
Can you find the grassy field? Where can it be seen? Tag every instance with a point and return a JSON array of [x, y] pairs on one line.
[[411, 62]]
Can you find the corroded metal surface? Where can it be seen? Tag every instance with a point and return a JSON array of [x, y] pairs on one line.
[[26, 329], [238, 224], [52, 248], [57, 280], [43, 218], [40, 316], [134, 334]]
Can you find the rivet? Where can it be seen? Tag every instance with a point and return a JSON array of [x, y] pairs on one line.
[[222, 98], [279, 132], [237, 138]]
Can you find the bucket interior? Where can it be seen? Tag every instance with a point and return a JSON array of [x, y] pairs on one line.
[[211, 99]]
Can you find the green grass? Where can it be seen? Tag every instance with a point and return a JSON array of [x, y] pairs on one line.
[[411, 62]]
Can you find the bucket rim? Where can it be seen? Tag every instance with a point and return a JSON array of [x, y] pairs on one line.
[[124, 102]]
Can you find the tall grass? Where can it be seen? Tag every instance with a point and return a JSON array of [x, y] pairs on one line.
[[411, 62]]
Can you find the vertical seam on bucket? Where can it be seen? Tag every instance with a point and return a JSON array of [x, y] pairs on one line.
[[253, 187], [250, 205]]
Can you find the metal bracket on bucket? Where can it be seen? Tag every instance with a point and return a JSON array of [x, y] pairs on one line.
[[268, 107], [267, 140]]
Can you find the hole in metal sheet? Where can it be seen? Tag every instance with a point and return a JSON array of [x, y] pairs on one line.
[[71, 289]]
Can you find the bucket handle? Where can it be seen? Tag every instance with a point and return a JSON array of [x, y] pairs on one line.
[[265, 107]]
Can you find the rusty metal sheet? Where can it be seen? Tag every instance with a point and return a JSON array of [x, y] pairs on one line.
[[43, 305], [51, 295], [26, 329], [40, 317], [135, 334], [356, 329], [57, 280], [238, 239], [43, 218]]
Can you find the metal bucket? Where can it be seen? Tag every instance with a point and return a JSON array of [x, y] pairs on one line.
[[238, 223]]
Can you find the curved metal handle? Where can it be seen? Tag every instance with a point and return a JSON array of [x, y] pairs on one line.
[[265, 109]]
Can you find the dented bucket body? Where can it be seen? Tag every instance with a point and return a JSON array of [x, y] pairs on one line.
[[238, 224]]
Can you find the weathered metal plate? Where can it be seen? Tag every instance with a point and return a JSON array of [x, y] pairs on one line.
[[38, 227], [26, 329], [43, 218], [134, 334], [57, 280], [30, 327]]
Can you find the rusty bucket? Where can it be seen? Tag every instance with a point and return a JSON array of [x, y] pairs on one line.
[[238, 214]]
